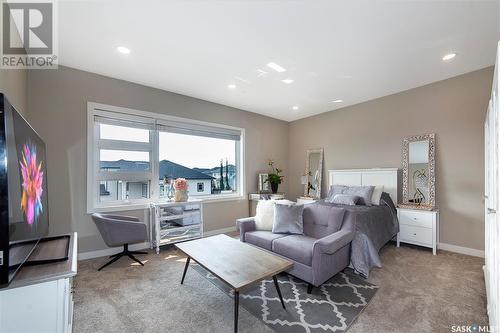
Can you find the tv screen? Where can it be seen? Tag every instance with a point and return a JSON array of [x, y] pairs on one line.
[[24, 182]]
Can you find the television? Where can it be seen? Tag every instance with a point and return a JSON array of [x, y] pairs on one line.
[[24, 217]]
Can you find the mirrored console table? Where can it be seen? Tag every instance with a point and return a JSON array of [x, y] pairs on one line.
[[171, 222]]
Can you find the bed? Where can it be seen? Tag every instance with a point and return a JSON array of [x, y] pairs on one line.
[[375, 225]]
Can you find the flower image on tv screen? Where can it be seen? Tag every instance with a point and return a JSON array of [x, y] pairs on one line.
[[29, 196], [27, 187]]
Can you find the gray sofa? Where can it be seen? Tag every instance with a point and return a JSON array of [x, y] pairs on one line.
[[319, 254]]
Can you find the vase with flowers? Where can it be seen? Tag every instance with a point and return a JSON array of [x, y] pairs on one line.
[[274, 178], [181, 190]]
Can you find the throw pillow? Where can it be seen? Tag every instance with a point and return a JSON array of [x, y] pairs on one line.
[[288, 219], [377, 193], [345, 199], [264, 215], [364, 193], [334, 190]]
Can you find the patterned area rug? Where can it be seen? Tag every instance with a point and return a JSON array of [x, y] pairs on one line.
[[333, 307]]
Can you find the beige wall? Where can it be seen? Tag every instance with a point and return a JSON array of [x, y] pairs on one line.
[[14, 84], [370, 134], [361, 136], [58, 107]]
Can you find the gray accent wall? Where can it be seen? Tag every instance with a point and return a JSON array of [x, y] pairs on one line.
[[58, 110], [370, 134]]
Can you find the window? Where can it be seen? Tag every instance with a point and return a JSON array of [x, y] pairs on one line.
[[131, 153], [207, 159]]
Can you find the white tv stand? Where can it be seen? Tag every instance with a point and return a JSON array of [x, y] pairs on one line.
[[40, 298]]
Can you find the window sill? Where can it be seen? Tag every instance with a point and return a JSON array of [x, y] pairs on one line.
[[221, 198], [142, 206]]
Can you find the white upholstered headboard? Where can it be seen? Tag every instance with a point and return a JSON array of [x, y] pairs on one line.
[[367, 177]]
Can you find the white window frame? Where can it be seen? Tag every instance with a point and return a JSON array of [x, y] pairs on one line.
[[94, 174]]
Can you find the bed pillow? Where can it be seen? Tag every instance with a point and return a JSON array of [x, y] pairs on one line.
[[377, 193], [364, 193], [334, 190], [345, 199], [264, 215], [288, 219]]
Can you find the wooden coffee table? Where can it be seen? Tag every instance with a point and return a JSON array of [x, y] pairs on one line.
[[235, 263]]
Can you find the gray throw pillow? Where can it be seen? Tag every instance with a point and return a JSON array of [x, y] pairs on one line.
[[288, 219], [363, 192], [345, 199], [334, 190]]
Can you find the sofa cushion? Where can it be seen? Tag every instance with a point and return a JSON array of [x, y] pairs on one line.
[[322, 220], [263, 239], [264, 215], [295, 247], [288, 219]]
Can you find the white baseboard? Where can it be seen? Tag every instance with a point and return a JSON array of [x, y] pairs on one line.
[[460, 249], [111, 251], [219, 231], [140, 246]]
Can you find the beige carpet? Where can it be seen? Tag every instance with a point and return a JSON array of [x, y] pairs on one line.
[[418, 292]]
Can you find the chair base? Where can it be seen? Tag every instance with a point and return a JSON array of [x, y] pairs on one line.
[[125, 252]]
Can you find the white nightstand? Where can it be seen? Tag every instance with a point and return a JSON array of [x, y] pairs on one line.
[[304, 200], [418, 227]]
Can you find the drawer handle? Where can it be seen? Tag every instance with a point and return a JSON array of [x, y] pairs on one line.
[[414, 234], [491, 211]]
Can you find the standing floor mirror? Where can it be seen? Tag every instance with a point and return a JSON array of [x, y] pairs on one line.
[[419, 172], [313, 174]]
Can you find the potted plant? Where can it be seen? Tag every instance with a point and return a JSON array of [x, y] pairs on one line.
[[181, 190], [274, 178]]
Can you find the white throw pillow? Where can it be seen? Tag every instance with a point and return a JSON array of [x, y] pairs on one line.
[[377, 193], [264, 215]]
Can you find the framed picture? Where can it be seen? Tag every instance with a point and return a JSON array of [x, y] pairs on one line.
[[263, 185]]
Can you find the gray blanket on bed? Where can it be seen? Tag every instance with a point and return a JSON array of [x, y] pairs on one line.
[[375, 226]]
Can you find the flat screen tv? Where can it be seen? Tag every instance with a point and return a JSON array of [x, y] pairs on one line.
[[24, 217]]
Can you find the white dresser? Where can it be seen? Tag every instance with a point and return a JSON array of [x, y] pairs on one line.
[[171, 222], [418, 227]]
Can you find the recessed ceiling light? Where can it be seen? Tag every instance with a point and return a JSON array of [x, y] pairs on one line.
[[295, 107], [123, 49], [231, 86], [287, 81], [337, 101], [449, 56], [276, 67], [261, 73]]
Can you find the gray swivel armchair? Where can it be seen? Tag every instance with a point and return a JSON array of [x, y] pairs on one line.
[[118, 230]]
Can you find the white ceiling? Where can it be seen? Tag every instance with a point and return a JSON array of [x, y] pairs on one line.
[[349, 50]]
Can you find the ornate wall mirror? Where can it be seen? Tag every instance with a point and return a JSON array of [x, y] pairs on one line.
[[418, 172], [314, 172]]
